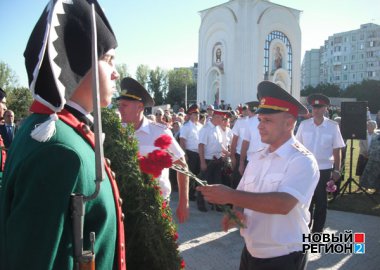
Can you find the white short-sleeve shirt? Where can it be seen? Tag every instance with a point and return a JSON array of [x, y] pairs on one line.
[[146, 135], [211, 137], [252, 136], [190, 132], [291, 169], [321, 140], [238, 130]]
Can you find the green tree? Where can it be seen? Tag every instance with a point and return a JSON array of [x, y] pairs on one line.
[[178, 79], [8, 78], [142, 75], [19, 101], [122, 69], [328, 89], [367, 90], [157, 85]]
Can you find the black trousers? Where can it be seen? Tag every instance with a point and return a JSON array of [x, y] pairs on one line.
[[194, 166], [318, 206], [213, 175], [236, 176], [293, 261]]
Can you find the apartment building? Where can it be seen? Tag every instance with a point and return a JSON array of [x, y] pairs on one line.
[[344, 59]]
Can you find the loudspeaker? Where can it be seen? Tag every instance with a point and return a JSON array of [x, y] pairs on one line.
[[354, 120]]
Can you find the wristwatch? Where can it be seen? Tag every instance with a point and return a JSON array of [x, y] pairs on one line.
[[337, 171]]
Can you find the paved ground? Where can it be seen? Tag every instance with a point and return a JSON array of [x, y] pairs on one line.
[[205, 247]]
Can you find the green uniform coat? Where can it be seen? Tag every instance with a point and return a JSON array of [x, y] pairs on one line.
[[35, 222]]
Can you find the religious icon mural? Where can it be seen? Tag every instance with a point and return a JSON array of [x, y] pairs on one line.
[[218, 56], [278, 59]]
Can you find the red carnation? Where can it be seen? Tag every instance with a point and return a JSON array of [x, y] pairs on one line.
[[160, 159], [147, 167], [163, 141], [164, 205], [175, 236], [183, 265], [155, 162]]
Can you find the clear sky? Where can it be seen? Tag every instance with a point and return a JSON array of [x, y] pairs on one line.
[[164, 33]]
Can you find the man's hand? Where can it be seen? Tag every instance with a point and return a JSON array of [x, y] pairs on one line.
[[218, 194], [228, 223], [233, 161], [335, 175], [203, 166], [182, 212]]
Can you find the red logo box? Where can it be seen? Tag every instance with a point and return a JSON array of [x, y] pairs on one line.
[[359, 237]]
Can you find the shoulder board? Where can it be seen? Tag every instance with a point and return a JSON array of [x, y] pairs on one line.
[[332, 121], [300, 148], [260, 150], [163, 126]]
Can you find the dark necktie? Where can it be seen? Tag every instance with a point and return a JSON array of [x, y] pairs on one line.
[[10, 133]]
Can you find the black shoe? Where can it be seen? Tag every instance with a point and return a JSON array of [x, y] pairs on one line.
[[202, 208], [218, 208]]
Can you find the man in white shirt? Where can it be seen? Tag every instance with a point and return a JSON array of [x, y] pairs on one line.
[[275, 190], [322, 137], [236, 143], [189, 140], [211, 152], [131, 102], [251, 137]]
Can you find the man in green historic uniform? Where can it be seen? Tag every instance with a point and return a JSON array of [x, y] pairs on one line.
[[53, 155]]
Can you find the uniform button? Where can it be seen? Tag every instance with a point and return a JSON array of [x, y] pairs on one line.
[[108, 161], [122, 216], [122, 261], [86, 129], [122, 246], [113, 175], [120, 201]]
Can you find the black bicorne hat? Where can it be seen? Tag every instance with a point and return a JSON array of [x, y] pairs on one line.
[[58, 53], [133, 90]]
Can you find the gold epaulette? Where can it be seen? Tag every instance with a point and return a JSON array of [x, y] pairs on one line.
[[301, 148], [159, 125]]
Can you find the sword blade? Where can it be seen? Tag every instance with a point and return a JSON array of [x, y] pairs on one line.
[[99, 155]]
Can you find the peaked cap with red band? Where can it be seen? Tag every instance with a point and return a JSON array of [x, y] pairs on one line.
[[253, 105], [274, 99], [224, 114], [318, 100], [193, 109]]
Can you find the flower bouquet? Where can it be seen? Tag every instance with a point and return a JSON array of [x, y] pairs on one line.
[[162, 158], [330, 186]]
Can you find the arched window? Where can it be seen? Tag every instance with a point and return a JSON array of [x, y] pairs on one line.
[[281, 37]]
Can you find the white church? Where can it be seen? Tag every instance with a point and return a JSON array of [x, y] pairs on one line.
[[243, 42]]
